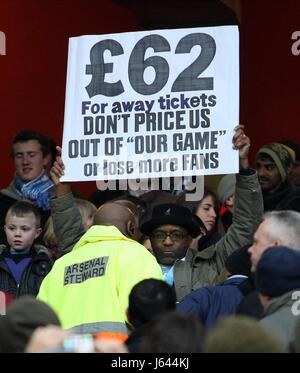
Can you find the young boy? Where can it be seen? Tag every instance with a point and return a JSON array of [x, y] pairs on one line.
[[23, 265]]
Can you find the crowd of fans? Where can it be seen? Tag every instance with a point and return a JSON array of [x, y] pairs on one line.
[[149, 271]]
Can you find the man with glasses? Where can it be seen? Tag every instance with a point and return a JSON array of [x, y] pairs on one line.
[[172, 229]]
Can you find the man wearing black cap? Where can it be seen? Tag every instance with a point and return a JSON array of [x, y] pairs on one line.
[[172, 229]]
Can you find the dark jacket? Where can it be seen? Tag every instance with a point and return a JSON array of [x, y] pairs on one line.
[[251, 306], [209, 303], [287, 197], [137, 336], [32, 276]]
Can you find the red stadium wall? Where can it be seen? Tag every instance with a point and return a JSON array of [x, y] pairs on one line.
[[33, 71], [270, 73]]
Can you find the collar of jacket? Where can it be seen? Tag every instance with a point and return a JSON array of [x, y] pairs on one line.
[[284, 300], [11, 192], [234, 280], [98, 233], [39, 249]]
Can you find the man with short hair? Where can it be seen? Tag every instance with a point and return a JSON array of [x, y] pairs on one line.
[[100, 266], [89, 286], [32, 153], [278, 228], [148, 300]]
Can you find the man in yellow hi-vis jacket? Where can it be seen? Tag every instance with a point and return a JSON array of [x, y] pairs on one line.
[[89, 287]]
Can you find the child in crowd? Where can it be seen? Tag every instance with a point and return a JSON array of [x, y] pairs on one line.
[[23, 264]]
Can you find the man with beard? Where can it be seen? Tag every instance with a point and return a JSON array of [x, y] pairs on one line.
[[274, 161]]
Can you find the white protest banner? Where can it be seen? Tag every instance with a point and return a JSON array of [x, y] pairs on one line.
[[152, 104]]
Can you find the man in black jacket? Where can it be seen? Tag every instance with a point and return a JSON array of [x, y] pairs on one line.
[[274, 162]]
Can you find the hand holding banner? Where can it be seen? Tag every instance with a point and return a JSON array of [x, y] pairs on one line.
[[151, 104]]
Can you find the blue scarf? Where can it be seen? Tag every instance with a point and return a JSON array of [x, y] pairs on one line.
[[36, 190]]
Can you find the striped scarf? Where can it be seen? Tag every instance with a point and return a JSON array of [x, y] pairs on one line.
[[37, 190]]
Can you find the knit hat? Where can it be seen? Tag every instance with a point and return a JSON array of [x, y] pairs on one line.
[[294, 146], [226, 187], [278, 271], [282, 155], [239, 263], [23, 316], [172, 214]]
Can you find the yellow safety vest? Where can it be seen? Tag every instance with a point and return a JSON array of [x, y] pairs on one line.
[[89, 287]]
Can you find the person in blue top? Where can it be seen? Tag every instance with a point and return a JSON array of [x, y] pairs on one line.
[[209, 303]]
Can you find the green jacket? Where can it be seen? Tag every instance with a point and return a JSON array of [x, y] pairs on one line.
[[281, 315], [89, 287], [203, 268], [67, 222]]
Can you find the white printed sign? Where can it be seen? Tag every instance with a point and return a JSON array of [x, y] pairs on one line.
[[152, 104]]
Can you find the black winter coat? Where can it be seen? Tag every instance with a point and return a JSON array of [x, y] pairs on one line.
[[32, 276]]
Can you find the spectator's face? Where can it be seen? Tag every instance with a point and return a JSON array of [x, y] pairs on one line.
[[206, 212], [29, 159], [229, 203], [268, 173], [262, 240], [88, 222], [21, 231], [170, 242], [147, 243]]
